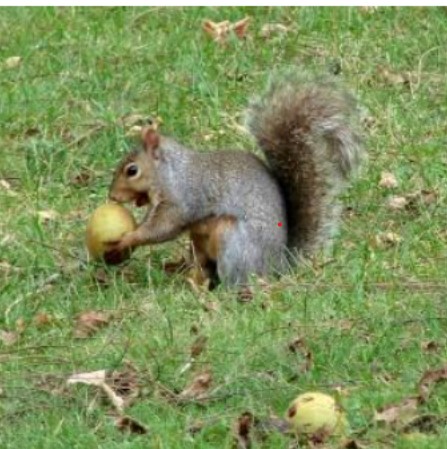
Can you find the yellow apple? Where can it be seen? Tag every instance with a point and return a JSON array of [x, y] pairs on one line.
[[108, 223], [316, 415]]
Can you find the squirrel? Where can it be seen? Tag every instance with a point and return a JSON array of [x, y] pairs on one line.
[[246, 216]]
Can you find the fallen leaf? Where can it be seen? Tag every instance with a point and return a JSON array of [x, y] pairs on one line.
[[12, 62], [271, 29], [388, 180], [427, 381], [430, 346], [125, 383], [299, 346], [9, 338], [130, 425], [245, 294], [42, 319], [388, 239], [243, 430], [423, 197], [87, 323], [393, 78], [398, 414], [198, 388], [397, 202], [220, 31], [98, 379]]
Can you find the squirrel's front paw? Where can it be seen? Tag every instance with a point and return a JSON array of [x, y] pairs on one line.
[[119, 250]]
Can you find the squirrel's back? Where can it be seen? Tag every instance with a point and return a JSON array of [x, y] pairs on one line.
[[308, 133]]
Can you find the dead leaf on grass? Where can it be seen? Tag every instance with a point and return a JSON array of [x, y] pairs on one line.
[[220, 31], [245, 294], [130, 425], [243, 430], [198, 388], [9, 338], [397, 202], [299, 346], [98, 379], [394, 78], [430, 346], [388, 180], [125, 383], [428, 380], [398, 414], [388, 239], [12, 62], [424, 197], [42, 319], [88, 323]]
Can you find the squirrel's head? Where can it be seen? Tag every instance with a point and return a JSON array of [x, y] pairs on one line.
[[135, 178]]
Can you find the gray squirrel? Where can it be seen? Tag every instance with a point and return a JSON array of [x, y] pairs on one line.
[[246, 216]]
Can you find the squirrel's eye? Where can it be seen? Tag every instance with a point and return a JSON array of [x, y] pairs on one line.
[[132, 170]]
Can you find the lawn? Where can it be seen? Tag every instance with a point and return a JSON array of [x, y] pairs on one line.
[[363, 324]]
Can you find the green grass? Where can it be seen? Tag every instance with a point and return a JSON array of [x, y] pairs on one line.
[[365, 316]]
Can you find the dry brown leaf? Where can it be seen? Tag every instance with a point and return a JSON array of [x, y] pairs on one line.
[[271, 29], [393, 78], [12, 62], [125, 383], [42, 319], [87, 323], [220, 31], [388, 180], [423, 197], [430, 346], [98, 379], [198, 388], [397, 202], [9, 338], [430, 378], [245, 294], [398, 414], [299, 346], [243, 430], [130, 425], [388, 239]]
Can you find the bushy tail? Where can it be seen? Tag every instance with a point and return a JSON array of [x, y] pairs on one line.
[[306, 128]]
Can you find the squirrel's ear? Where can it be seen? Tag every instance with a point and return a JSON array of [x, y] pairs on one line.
[[151, 141]]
